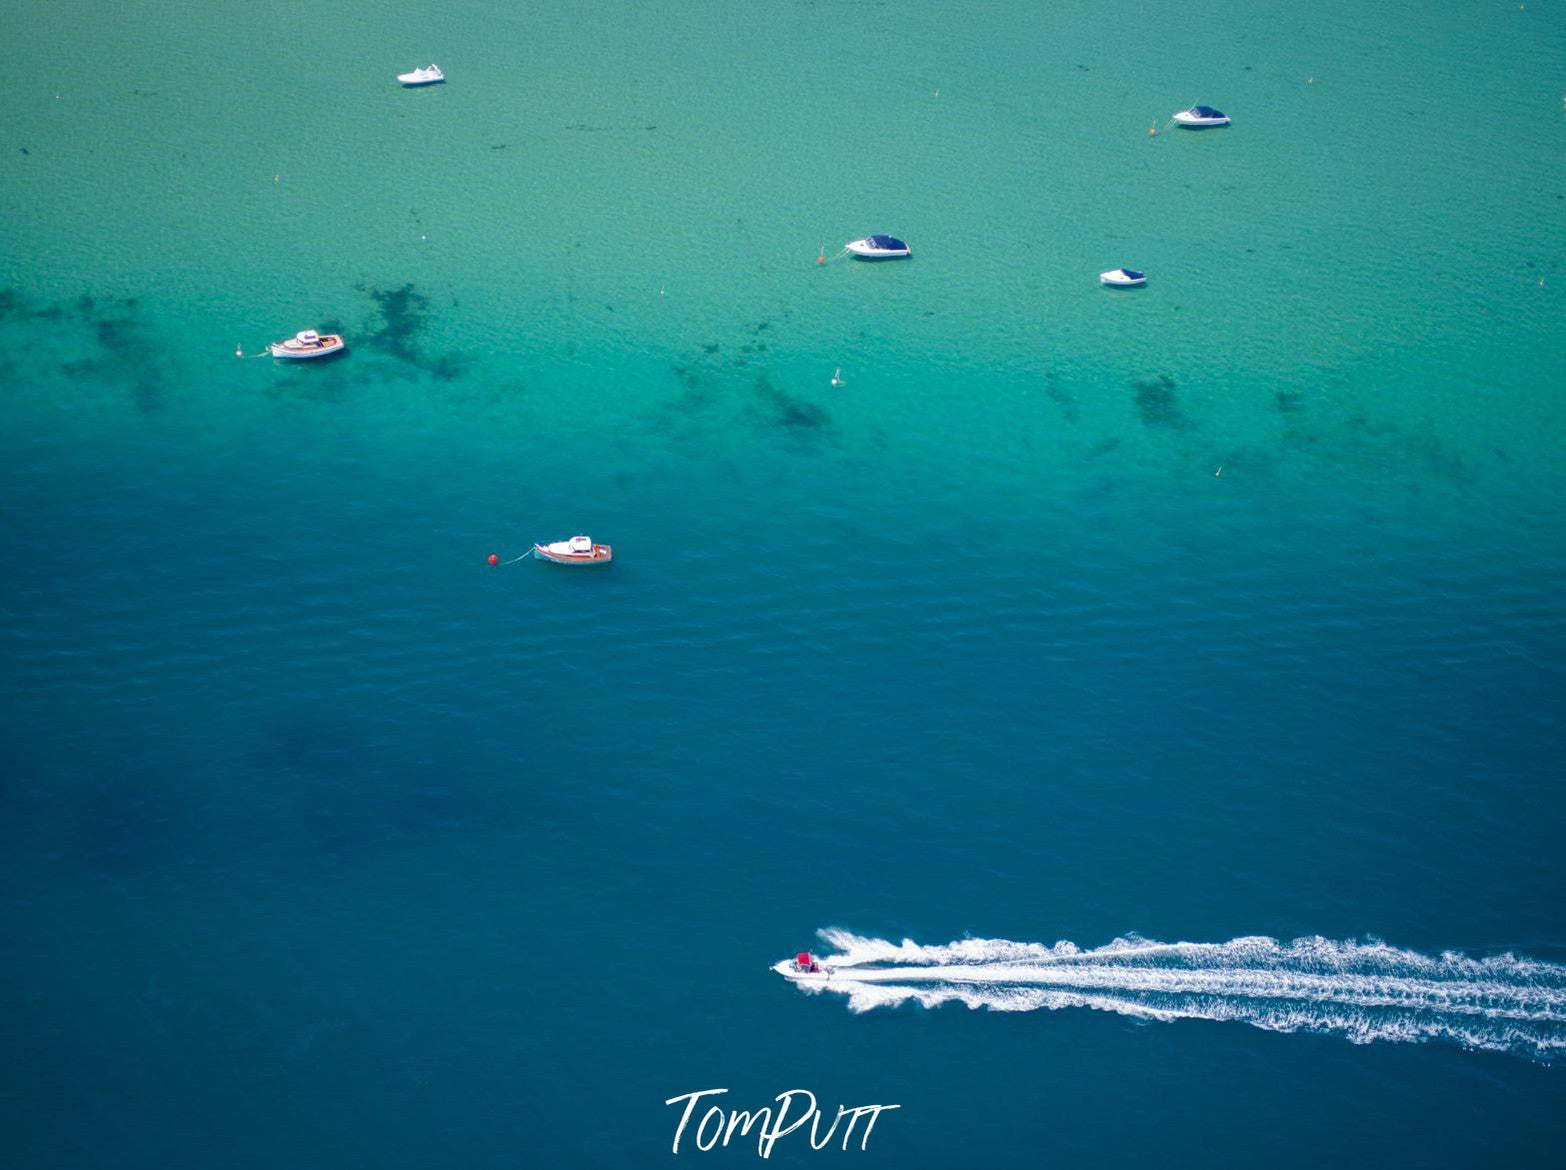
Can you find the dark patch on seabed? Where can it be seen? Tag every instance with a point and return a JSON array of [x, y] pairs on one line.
[[1158, 403], [125, 354], [126, 823], [1060, 396], [346, 792], [325, 383], [12, 777], [787, 410], [1353, 435], [404, 314]]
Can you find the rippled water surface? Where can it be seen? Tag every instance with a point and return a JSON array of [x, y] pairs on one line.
[[1227, 609]]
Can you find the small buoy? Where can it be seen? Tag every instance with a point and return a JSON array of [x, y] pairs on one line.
[[423, 237], [277, 178], [1310, 81], [937, 93], [239, 350], [1541, 282], [1152, 131], [837, 378], [1220, 470], [493, 559]]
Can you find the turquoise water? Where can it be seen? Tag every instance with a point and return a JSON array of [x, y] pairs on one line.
[[325, 844]]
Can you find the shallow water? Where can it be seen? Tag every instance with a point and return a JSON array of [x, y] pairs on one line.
[[325, 844]]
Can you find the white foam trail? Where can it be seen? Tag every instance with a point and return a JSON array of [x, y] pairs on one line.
[[1363, 991]]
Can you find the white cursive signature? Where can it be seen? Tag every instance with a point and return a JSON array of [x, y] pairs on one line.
[[718, 1124]]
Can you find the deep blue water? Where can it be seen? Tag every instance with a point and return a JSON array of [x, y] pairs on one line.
[[323, 844]]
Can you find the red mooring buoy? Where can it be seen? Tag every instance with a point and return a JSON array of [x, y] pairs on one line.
[[493, 559]]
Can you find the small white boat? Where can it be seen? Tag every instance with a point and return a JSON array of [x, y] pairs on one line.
[[308, 344], [579, 550], [803, 968], [1123, 278], [878, 248], [429, 75], [1201, 118]]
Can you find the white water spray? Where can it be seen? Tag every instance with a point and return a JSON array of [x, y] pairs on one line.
[[1362, 991]]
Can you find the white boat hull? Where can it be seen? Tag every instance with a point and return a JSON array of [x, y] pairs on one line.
[[792, 973], [303, 353], [866, 252], [1118, 279], [430, 76], [1194, 123], [560, 552]]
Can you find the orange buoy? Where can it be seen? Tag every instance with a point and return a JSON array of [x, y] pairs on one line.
[[1152, 131], [493, 559]]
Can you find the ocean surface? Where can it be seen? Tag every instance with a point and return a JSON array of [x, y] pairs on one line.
[[1155, 697]]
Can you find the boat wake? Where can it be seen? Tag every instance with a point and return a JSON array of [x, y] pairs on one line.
[[1362, 991]]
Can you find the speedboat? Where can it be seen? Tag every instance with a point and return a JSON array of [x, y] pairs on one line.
[[878, 248], [1123, 278], [1200, 118], [429, 75], [803, 968], [579, 550], [307, 343]]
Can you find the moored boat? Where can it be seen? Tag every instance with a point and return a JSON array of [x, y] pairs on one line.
[[429, 75], [1123, 278], [307, 343], [579, 550], [1201, 118], [878, 248]]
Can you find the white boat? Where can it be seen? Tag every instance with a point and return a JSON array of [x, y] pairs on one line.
[[308, 344], [429, 75], [579, 550], [803, 968], [878, 248], [1201, 118], [1123, 278]]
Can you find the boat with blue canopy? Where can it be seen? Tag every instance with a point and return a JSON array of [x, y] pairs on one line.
[[1201, 118], [878, 248], [1123, 278]]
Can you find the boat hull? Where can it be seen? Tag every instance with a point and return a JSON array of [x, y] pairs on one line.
[[330, 345], [602, 554], [429, 75], [1199, 123], [865, 249], [794, 975], [1111, 280]]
